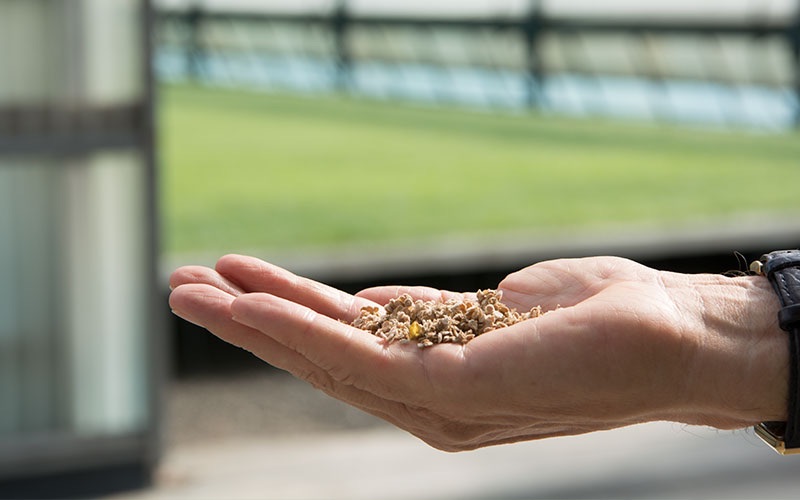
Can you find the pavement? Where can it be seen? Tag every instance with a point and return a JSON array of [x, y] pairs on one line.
[[266, 435]]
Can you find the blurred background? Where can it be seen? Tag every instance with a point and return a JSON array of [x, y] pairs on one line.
[[361, 143]]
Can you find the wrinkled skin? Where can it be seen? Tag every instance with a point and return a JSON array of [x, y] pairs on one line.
[[620, 344]]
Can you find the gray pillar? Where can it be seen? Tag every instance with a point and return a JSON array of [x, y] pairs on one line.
[[78, 324]]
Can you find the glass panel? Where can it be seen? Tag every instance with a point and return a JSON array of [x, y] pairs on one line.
[[70, 51], [24, 33], [105, 291], [73, 296], [28, 337], [112, 51]]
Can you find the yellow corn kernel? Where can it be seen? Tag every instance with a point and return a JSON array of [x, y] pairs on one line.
[[414, 331]]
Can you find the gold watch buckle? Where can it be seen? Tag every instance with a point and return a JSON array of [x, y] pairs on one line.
[[775, 441]]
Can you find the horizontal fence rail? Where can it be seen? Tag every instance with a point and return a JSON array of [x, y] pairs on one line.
[[52, 129], [535, 58]]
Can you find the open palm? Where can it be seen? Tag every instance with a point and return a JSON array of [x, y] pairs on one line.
[[614, 348]]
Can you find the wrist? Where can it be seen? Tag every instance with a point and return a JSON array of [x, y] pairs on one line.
[[741, 365]]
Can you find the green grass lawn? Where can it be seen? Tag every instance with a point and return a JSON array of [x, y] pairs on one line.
[[248, 171]]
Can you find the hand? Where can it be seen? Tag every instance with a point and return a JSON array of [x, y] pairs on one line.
[[620, 344]]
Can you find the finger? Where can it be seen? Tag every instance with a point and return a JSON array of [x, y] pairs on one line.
[[382, 294], [207, 306], [200, 274], [549, 284], [255, 275], [349, 355], [568, 282]]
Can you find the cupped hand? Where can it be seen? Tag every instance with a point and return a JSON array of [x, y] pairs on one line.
[[619, 344]]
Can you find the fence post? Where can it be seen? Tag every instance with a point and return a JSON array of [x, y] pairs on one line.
[[339, 25], [195, 50], [794, 44], [532, 28]]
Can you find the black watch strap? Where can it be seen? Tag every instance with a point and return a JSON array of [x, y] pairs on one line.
[[782, 269]]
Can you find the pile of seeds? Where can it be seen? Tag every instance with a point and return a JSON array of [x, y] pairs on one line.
[[431, 322]]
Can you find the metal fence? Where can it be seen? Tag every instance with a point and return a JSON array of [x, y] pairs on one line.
[[728, 71]]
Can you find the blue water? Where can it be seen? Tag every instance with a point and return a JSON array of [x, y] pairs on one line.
[[675, 101]]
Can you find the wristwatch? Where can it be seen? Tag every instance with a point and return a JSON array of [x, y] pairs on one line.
[[782, 269]]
